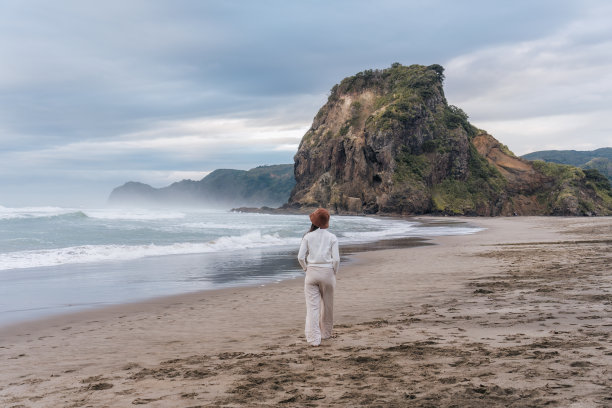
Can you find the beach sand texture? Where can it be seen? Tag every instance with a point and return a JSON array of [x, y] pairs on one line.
[[517, 315]]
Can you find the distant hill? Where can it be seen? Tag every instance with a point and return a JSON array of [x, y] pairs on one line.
[[600, 159], [224, 188]]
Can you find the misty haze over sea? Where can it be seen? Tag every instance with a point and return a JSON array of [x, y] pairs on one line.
[[54, 260]]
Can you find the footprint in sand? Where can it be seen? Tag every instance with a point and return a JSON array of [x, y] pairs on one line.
[[99, 386], [142, 401]]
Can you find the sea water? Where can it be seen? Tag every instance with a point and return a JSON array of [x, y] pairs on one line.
[[56, 260]]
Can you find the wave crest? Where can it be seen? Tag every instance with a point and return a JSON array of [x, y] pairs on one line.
[[7, 213], [100, 253]]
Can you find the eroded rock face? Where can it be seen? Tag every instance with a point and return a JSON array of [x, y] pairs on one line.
[[387, 142]]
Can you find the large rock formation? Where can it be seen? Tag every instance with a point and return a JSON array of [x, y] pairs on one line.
[[223, 188], [387, 142]]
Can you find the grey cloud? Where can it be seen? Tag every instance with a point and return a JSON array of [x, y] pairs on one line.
[[95, 70], [78, 71], [551, 92]]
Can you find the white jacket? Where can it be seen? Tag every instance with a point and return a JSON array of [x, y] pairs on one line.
[[319, 248]]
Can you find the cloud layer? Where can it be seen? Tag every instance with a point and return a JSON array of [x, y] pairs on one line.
[[95, 94], [553, 92]]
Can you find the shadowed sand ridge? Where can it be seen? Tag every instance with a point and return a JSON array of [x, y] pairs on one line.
[[517, 315]]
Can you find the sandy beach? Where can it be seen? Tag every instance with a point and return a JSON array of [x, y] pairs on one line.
[[517, 315]]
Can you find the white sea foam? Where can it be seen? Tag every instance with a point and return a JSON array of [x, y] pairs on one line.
[[213, 225], [439, 231], [118, 234], [99, 253], [224, 226], [134, 214], [389, 231], [106, 214], [7, 213]]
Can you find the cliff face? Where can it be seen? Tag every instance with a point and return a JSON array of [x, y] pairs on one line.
[[387, 142]]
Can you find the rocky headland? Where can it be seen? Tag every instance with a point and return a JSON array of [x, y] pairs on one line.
[[388, 142]]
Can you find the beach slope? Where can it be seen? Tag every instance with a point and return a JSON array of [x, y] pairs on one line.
[[516, 315]]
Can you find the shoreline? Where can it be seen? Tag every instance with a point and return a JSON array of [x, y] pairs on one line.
[[448, 303], [276, 260], [350, 252]]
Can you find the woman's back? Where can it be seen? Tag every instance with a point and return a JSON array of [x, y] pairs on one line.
[[320, 248]]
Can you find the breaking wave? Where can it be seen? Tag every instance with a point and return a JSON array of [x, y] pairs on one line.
[[99, 253], [7, 213]]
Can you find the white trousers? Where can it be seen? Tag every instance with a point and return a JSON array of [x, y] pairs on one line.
[[319, 287]]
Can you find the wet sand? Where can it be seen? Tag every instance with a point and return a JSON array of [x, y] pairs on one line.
[[517, 315]]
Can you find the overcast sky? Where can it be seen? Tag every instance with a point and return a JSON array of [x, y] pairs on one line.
[[93, 94]]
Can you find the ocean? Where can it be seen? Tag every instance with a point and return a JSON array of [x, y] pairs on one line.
[[56, 260]]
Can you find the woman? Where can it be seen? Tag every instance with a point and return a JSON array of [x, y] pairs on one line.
[[320, 259]]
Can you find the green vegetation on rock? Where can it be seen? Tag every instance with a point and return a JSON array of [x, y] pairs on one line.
[[569, 185], [601, 164], [411, 167], [480, 189], [599, 159]]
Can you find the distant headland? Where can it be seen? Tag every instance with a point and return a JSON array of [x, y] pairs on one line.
[[224, 188]]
